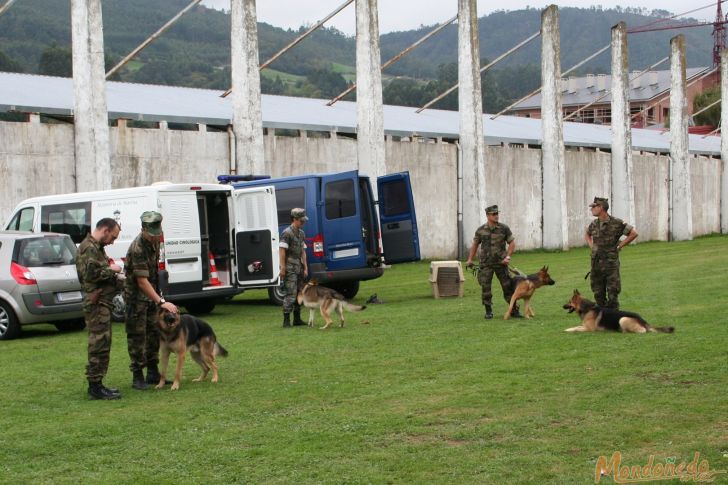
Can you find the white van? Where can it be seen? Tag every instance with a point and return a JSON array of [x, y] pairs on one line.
[[217, 240]]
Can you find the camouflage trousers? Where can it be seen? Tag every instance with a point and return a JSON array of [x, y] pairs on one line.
[[98, 323], [142, 334], [292, 282], [605, 282], [485, 278]]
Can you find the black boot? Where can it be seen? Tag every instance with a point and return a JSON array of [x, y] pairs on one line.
[[153, 375], [98, 392], [488, 312], [137, 381], [515, 313], [111, 390], [286, 319], [297, 317]]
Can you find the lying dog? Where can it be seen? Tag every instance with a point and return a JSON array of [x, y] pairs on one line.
[[595, 318], [524, 287], [182, 333], [313, 296]]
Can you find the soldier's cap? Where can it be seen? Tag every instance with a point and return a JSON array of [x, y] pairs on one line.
[[152, 221], [299, 213], [493, 209], [600, 201]]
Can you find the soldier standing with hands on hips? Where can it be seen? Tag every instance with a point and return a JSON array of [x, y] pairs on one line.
[[603, 237], [293, 264], [99, 279], [143, 300], [497, 244]]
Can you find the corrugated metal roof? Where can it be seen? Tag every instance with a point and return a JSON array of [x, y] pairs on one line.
[[54, 95], [578, 91]]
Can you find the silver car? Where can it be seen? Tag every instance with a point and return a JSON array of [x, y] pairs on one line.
[[38, 282]]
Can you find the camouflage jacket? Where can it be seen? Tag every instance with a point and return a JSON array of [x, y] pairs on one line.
[[142, 260], [94, 271], [493, 242], [605, 236], [294, 242]]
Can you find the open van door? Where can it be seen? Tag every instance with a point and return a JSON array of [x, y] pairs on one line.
[[182, 239], [397, 218], [256, 236], [342, 221]]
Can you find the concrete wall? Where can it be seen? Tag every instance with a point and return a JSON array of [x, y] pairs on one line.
[[38, 159]]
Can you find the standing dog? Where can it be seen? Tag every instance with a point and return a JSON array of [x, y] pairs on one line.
[[595, 318], [525, 287], [182, 333], [314, 296]]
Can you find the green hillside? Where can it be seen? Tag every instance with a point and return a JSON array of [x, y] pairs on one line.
[[35, 37]]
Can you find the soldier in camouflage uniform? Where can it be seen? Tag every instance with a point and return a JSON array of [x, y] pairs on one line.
[[294, 267], [99, 280], [603, 237], [142, 297], [496, 247]]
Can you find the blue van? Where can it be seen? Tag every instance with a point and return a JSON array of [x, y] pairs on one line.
[[348, 240]]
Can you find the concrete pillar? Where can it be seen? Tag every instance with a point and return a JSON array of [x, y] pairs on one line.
[[247, 114], [470, 106], [370, 150], [724, 141], [622, 198], [555, 227], [681, 217], [91, 125]]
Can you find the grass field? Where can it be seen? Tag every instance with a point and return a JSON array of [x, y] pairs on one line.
[[426, 392]]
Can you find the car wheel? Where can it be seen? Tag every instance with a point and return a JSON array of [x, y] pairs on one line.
[[9, 326], [276, 295], [71, 325], [118, 310], [348, 289], [200, 307]]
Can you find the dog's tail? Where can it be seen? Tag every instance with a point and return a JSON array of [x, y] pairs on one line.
[[354, 308], [663, 329], [220, 350]]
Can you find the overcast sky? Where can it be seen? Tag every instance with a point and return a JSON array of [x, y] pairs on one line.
[[397, 15]]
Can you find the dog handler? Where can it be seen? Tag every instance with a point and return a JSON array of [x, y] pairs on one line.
[[99, 279], [142, 297], [603, 237], [497, 244], [294, 267]]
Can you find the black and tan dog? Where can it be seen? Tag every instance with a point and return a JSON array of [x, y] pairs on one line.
[[182, 333], [595, 318], [524, 287], [313, 296]]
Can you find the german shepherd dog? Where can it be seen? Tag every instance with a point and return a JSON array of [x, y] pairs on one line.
[[182, 333], [524, 287], [595, 318], [313, 296]]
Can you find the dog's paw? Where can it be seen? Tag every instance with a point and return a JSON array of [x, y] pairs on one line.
[[160, 385], [175, 386]]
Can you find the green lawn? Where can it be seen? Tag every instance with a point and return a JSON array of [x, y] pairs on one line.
[[426, 392]]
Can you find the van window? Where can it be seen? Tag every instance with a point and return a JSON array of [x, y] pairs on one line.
[[73, 219], [23, 220], [287, 199], [340, 201], [394, 195], [46, 251]]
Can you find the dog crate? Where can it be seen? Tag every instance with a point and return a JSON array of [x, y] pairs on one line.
[[446, 278]]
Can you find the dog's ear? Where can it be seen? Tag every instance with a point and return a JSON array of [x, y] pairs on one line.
[[576, 293]]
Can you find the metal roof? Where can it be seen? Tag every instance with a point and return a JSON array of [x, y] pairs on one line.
[[578, 91], [54, 95]]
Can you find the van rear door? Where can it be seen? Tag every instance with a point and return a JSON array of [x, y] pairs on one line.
[[182, 245], [341, 221], [256, 236], [397, 217]]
